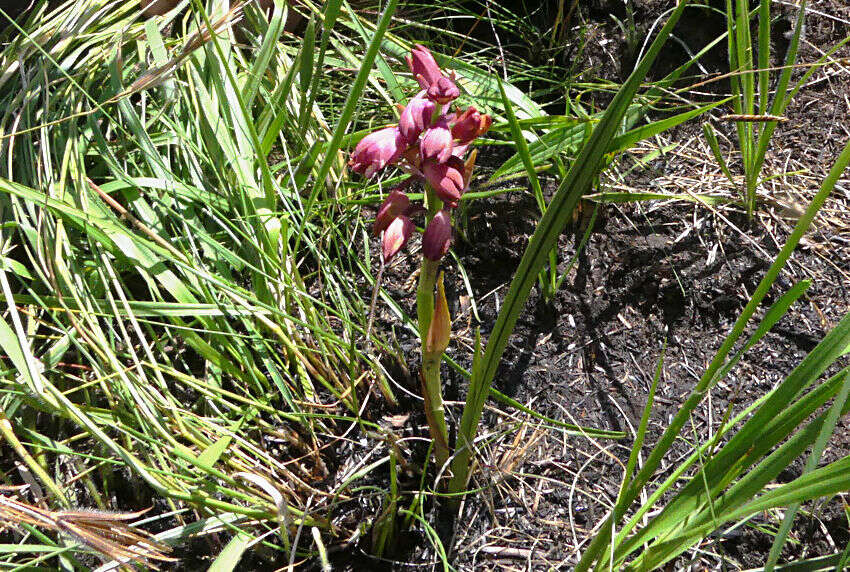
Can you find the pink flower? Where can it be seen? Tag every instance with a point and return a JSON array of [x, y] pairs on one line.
[[395, 204], [437, 142], [377, 150], [469, 125], [396, 236], [438, 236], [447, 179], [443, 91], [416, 117], [459, 150], [423, 66]]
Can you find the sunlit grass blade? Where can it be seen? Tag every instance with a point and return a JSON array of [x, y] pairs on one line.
[[522, 148], [640, 435], [265, 55], [811, 463], [230, 556], [823, 482], [711, 138]]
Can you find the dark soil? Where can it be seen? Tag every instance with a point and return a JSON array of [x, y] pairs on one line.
[[652, 274]]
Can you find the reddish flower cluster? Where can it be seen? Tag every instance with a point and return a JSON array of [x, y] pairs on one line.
[[429, 143]]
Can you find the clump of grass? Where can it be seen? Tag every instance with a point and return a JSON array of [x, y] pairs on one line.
[[756, 113], [175, 285]]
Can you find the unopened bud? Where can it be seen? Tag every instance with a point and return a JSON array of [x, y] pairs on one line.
[[438, 236], [469, 125], [416, 117], [396, 236], [377, 150], [423, 66], [447, 179], [443, 91], [396, 204], [437, 142]]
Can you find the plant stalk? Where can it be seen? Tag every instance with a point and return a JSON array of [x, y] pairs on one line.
[[430, 374]]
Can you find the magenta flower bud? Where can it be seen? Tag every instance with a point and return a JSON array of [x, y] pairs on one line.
[[377, 150], [396, 204], [443, 91], [469, 125], [416, 117], [437, 142], [423, 66], [396, 236], [447, 179], [438, 236]]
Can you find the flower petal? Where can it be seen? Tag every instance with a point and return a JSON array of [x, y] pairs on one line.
[[437, 142], [446, 179], [395, 204], [423, 66], [416, 117], [377, 150]]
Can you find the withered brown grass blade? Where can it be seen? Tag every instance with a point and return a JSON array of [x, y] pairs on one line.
[[108, 533]]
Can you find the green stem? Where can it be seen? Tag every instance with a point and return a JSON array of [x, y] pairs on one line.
[[425, 296], [430, 376], [9, 435], [434, 411], [428, 274]]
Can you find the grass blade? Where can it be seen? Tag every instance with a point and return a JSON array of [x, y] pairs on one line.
[[812, 462]]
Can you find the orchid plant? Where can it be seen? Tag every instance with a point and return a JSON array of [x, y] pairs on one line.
[[430, 143]]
